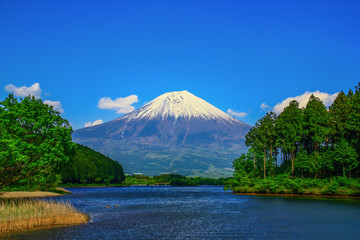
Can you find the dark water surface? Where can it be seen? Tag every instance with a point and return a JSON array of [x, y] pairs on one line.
[[206, 212]]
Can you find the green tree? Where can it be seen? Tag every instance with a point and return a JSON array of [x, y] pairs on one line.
[[262, 137], [340, 117], [316, 124], [346, 156], [243, 163], [355, 113], [267, 136], [289, 129], [253, 142], [305, 163], [34, 142]]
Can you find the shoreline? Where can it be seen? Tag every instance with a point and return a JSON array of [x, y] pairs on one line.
[[28, 194], [33, 194], [298, 195], [91, 187]]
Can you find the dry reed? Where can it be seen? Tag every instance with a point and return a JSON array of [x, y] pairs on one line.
[[23, 214]]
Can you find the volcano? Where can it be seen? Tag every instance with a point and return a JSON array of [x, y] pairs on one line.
[[176, 132]]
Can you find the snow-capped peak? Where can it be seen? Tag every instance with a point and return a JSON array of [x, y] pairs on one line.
[[180, 104]]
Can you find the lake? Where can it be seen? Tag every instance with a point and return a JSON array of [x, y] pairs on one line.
[[205, 212]]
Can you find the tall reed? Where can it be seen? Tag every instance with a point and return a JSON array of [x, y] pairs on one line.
[[22, 214]]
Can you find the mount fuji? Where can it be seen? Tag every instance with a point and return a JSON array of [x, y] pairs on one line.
[[176, 132]]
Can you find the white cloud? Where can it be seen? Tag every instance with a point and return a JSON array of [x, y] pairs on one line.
[[56, 104], [121, 105], [33, 90], [264, 106], [97, 122], [237, 113], [303, 99]]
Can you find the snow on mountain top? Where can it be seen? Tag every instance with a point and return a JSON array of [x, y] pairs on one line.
[[180, 104]]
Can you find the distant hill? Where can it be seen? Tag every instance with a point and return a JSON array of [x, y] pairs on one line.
[[89, 166], [176, 132]]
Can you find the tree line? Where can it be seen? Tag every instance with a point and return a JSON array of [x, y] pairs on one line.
[[310, 142], [173, 180]]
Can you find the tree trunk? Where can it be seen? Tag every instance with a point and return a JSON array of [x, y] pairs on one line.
[[254, 163], [292, 162], [330, 177], [350, 175], [264, 165], [316, 145], [272, 174]]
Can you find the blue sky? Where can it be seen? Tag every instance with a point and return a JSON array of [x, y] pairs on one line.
[[234, 54]]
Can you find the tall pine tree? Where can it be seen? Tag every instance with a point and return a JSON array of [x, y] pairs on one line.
[[289, 129]]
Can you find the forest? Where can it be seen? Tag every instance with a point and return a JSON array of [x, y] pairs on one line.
[[89, 166], [37, 152], [311, 150]]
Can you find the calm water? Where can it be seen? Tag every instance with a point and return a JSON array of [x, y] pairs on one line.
[[206, 212]]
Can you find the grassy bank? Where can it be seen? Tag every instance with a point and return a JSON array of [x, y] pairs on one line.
[[52, 192], [23, 214], [90, 185], [26, 194], [284, 184]]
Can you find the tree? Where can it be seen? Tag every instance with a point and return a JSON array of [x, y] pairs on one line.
[[316, 124], [346, 156], [263, 137], [267, 135], [289, 129], [34, 142], [305, 163], [355, 112], [243, 163], [340, 117], [252, 141]]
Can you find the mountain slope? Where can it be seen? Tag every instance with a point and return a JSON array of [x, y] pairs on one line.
[[176, 132]]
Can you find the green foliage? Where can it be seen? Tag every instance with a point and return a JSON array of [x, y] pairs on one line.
[[285, 184], [346, 156], [316, 124], [289, 127], [306, 163], [34, 142], [89, 166], [262, 139], [316, 146], [340, 117]]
